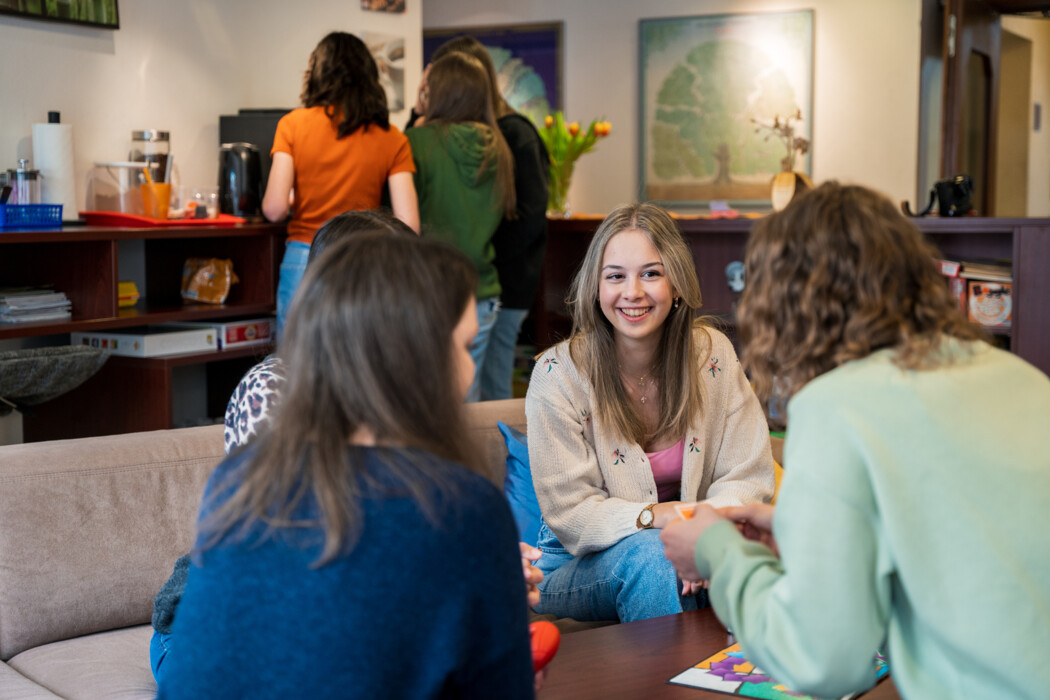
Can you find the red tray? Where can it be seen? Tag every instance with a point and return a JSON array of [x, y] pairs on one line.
[[117, 218]]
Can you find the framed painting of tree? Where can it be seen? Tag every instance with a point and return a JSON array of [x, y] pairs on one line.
[[716, 91]]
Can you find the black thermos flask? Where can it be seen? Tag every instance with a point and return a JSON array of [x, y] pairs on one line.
[[240, 180]]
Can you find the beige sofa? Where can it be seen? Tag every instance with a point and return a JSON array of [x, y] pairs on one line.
[[90, 529]]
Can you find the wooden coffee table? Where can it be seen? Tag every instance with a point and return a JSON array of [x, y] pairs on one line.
[[634, 660]]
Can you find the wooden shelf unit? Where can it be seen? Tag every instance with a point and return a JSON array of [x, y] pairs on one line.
[[82, 262], [131, 394], [717, 242]]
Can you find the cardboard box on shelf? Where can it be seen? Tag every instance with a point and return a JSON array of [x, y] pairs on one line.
[[241, 333], [991, 303], [151, 341]]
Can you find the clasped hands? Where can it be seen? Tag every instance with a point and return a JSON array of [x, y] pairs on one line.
[[754, 521]]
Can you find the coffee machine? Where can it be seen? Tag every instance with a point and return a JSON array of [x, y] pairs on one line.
[[240, 180]]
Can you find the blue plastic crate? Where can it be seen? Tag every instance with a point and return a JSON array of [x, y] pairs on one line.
[[30, 215]]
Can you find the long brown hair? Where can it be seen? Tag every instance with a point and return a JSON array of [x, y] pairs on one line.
[[677, 363], [837, 275], [459, 93], [368, 346], [343, 78], [472, 47]]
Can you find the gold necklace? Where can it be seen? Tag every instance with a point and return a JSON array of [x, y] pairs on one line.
[[643, 390]]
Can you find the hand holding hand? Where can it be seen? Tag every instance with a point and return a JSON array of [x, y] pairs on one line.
[[694, 587], [533, 576], [679, 537], [755, 522]]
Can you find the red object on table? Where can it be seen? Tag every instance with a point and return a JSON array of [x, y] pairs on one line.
[[117, 218], [545, 641]]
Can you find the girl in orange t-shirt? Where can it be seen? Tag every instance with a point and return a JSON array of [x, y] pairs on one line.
[[335, 153]]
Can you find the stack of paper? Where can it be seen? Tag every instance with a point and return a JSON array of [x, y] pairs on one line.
[[26, 304]]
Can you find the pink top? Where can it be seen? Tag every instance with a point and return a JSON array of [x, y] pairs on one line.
[[667, 470]]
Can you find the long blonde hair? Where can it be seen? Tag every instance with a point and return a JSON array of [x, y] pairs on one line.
[[368, 345], [677, 363]]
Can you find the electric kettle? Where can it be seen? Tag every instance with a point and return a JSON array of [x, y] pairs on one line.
[[240, 180]]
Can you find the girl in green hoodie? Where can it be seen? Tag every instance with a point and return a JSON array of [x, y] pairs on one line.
[[464, 178]]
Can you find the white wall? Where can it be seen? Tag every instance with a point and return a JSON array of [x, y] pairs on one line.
[[174, 65], [1038, 32], [866, 82]]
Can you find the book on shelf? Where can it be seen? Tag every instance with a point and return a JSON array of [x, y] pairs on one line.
[[962, 273], [31, 304], [991, 270], [151, 341]]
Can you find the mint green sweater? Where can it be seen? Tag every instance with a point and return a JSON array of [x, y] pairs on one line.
[[457, 204], [914, 515]]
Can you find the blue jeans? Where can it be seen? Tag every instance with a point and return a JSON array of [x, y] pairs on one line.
[[631, 580], [158, 649], [488, 310], [293, 265], [497, 379]]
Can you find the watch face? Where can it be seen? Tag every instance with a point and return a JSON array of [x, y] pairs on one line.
[[646, 517]]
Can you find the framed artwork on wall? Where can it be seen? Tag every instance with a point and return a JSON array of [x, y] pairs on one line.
[[389, 54], [726, 103], [527, 58], [96, 13], [383, 5]]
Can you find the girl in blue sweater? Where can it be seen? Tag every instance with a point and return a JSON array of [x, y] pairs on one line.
[[312, 571]]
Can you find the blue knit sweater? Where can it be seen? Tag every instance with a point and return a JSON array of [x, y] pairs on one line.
[[416, 609]]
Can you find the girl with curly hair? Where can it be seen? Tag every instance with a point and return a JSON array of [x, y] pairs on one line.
[[913, 509], [335, 153]]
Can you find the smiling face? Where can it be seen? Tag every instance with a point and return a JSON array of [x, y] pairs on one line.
[[633, 290]]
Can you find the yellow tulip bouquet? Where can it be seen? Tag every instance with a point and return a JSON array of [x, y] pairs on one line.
[[565, 144]]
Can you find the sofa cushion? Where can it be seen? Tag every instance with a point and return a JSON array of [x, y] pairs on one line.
[[517, 486], [481, 425], [15, 686], [90, 528], [112, 665]]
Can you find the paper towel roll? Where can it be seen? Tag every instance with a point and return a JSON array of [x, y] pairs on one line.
[[53, 157]]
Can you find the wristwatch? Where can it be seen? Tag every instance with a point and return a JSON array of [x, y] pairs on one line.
[[645, 518]]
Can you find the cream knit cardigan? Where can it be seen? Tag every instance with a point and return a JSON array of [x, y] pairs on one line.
[[592, 484]]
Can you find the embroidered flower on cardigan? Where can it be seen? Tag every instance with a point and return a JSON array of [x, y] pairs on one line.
[[713, 367], [585, 415], [694, 446], [549, 363], [619, 456]]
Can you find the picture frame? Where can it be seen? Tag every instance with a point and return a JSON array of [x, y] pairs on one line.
[[527, 58], [711, 89], [103, 14], [383, 5]]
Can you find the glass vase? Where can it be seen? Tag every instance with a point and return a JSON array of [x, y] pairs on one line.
[[558, 199]]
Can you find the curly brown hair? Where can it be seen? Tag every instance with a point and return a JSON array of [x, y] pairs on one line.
[[837, 275], [343, 78]]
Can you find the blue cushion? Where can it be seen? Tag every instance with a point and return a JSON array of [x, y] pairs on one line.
[[517, 486]]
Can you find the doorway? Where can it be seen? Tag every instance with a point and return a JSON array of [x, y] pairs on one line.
[[1015, 100]]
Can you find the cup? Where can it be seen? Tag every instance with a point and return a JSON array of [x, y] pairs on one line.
[[209, 197], [156, 197]]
